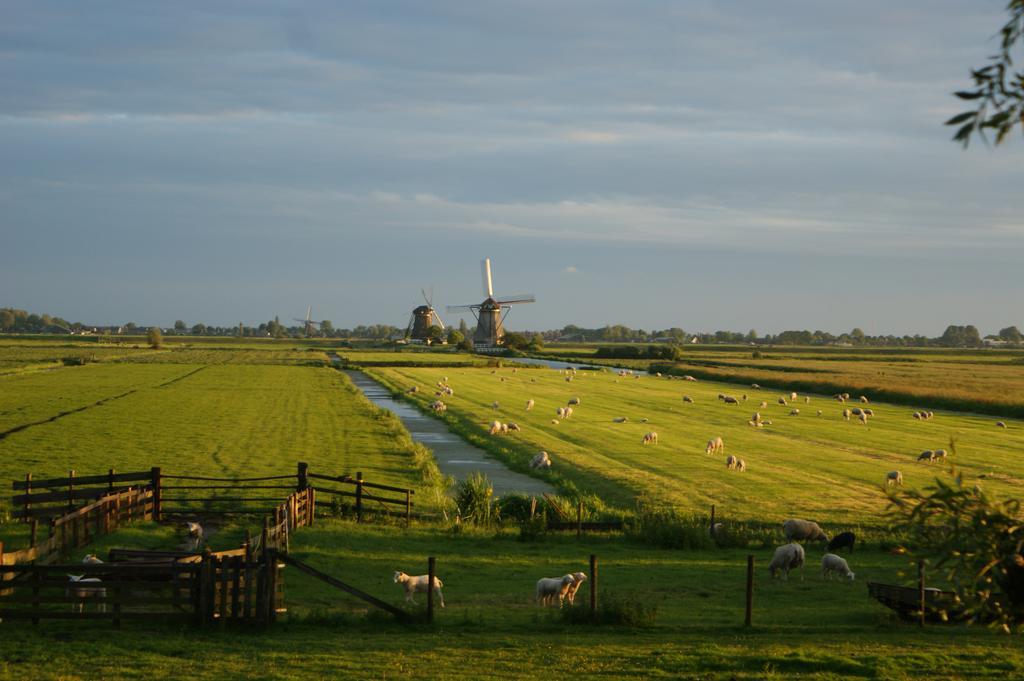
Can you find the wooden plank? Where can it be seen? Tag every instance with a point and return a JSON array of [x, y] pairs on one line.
[[76, 494], [104, 479], [351, 481], [365, 497], [338, 584], [36, 615], [197, 477]]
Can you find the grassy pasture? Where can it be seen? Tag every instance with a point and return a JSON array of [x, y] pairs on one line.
[[809, 629], [820, 467], [974, 380]]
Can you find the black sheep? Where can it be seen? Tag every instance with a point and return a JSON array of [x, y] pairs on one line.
[[841, 540]]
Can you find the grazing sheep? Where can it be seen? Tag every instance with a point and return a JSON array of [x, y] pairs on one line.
[[514, 427], [495, 427], [832, 564], [413, 390], [415, 585], [846, 414], [728, 399], [82, 587], [794, 412], [689, 378], [554, 422], [764, 404], [438, 406], [542, 460], [893, 478], [578, 578], [91, 559], [863, 418], [756, 418], [644, 420], [716, 528], [856, 411], [721, 396], [841, 540], [687, 398], [730, 462], [715, 446], [755, 386], [1000, 424], [917, 416], [529, 405], [863, 399], [741, 465], [792, 397], [807, 399], [195, 536], [941, 454], [819, 412], [782, 401], [787, 557], [846, 396], [869, 412], [651, 438], [549, 588], [927, 455], [495, 405], [574, 402], [560, 412], [803, 530], [619, 419]]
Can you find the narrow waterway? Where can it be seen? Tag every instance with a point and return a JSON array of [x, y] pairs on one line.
[[454, 456]]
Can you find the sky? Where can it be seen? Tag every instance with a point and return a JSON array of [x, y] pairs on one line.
[[709, 165]]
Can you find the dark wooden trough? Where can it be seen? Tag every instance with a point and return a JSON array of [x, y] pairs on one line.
[[906, 601]]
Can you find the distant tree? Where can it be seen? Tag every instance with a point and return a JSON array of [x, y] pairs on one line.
[[130, 327], [537, 343], [326, 327], [278, 330], [7, 319], [179, 326], [998, 89], [516, 341], [857, 336], [455, 337], [751, 336], [435, 334], [466, 345], [463, 329], [1010, 334], [154, 337], [198, 329], [960, 336]]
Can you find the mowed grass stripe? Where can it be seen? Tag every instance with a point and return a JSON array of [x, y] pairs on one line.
[[823, 467]]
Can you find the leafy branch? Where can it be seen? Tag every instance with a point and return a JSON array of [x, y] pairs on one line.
[[998, 91]]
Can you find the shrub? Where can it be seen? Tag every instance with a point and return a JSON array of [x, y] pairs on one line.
[[514, 507], [669, 528], [474, 499], [612, 611]]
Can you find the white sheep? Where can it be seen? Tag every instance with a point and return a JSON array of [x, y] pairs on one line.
[[832, 564], [846, 414], [541, 460], [803, 530], [927, 455], [82, 587], [495, 405], [92, 559], [741, 465], [941, 454], [195, 536], [782, 401], [529, 405], [1000, 424], [554, 422], [764, 404], [574, 401], [689, 378], [863, 399], [619, 419], [513, 427], [730, 462], [893, 478], [651, 438], [415, 585], [807, 399], [496, 427], [863, 418], [438, 406], [869, 412], [729, 399], [687, 398], [792, 397], [550, 588], [568, 412], [819, 412], [578, 579], [787, 557], [715, 446], [794, 412]]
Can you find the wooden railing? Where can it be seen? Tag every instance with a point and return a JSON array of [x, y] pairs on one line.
[[359, 487]]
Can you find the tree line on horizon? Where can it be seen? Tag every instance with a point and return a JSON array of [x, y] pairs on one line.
[[14, 320]]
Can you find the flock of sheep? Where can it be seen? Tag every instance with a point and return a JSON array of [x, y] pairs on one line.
[[791, 555], [549, 590]]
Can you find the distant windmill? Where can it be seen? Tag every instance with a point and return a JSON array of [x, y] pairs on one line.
[[310, 327], [492, 312], [422, 318]]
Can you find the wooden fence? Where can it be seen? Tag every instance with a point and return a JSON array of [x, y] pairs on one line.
[[363, 500]]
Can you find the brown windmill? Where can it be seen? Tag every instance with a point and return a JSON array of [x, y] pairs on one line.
[[422, 318], [491, 313]]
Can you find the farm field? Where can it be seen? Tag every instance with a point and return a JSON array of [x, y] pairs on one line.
[[220, 419], [406, 357], [988, 380], [811, 629], [823, 467]]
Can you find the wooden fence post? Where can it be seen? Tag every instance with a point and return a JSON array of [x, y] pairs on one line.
[[579, 519], [593, 587], [920, 590], [750, 590], [110, 481], [28, 494], [408, 508], [712, 528], [270, 562], [302, 476], [533, 507], [430, 588], [311, 492], [157, 501], [359, 496], [71, 489]]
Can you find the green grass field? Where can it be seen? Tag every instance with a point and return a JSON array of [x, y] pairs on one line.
[[823, 467], [984, 380]]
